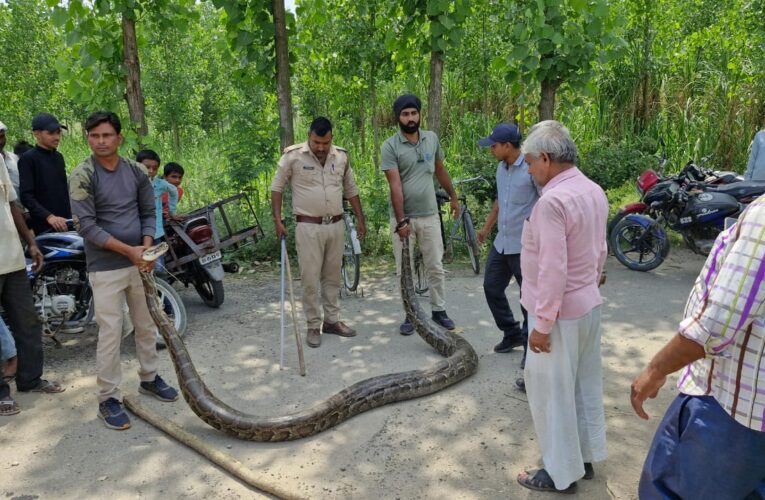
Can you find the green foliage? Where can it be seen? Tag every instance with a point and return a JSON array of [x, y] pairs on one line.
[[612, 164], [560, 41], [629, 72]]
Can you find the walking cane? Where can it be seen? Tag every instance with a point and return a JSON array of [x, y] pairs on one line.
[[281, 333], [286, 260]]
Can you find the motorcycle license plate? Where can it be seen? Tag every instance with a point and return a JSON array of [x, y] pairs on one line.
[[210, 257]]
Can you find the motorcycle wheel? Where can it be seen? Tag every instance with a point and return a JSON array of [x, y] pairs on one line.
[[420, 277], [616, 219], [173, 307], [211, 292], [471, 240], [636, 254]]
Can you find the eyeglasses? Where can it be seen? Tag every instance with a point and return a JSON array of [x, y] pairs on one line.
[[420, 156]]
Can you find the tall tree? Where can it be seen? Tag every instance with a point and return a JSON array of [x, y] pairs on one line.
[[444, 19], [559, 41], [283, 88]]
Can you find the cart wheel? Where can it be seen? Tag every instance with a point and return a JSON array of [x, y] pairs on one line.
[[211, 292]]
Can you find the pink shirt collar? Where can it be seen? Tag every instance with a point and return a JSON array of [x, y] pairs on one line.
[[563, 176]]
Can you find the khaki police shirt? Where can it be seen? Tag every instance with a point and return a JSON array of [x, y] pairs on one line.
[[317, 190]]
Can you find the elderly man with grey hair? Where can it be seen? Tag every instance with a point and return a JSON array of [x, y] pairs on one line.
[[562, 258]]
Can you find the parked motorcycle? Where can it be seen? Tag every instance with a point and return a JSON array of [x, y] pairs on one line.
[[695, 211], [691, 173], [61, 290]]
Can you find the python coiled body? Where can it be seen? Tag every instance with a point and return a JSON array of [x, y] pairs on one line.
[[460, 362]]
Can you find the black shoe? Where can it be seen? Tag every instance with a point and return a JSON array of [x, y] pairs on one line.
[[509, 342], [589, 472], [406, 328], [442, 319], [520, 384]]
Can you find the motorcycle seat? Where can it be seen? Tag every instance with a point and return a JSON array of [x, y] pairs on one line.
[[740, 190]]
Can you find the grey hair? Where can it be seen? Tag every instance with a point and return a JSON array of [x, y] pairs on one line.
[[553, 138]]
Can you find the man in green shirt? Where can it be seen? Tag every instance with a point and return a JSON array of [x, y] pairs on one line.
[[410, 159]]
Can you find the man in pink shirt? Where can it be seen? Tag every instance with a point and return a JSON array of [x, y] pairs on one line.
[[562, 257]]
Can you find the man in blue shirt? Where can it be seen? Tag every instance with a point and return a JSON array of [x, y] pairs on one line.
[[755, 167], [516, 195]]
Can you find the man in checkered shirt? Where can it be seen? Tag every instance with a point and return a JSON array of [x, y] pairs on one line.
[[711, 442]]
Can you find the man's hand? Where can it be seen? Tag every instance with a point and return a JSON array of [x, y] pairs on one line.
[[455, 207], [281, 231], [645, 386], [37, 257], [361, 229], [57, 223], [177, 218], [482, 235], [135, 254], [539, 342], [404, 232]]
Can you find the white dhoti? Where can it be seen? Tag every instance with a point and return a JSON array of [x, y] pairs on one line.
[[565, 391]]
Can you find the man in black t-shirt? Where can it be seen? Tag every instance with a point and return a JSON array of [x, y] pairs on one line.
[[42, 175]]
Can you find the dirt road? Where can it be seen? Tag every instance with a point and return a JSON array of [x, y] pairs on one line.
[[469, 441]]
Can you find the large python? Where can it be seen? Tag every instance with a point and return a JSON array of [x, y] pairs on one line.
[[461, 362]]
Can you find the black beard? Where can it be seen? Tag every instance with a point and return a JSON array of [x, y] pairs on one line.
[[409, 129]]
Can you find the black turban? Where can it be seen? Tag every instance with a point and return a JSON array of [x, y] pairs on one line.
[[406, 101]]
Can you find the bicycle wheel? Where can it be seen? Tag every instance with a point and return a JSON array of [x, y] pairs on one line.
[[472, 243], [351, 267], [420, 277], [351, 270]]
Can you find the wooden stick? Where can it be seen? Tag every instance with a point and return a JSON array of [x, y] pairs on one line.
[[222, 460], [301, 360]]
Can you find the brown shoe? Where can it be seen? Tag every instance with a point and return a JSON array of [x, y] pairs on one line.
[[338, 328], [313, 337]]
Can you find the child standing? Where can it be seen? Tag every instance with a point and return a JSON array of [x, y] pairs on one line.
[[151, 161], [174, 175]]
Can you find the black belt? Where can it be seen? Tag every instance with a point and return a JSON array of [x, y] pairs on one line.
[[327, 219]]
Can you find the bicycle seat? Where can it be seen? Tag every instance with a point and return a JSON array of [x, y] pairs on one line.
[[442, 197]]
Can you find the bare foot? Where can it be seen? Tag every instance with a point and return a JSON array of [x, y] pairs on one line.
[[10, 367]]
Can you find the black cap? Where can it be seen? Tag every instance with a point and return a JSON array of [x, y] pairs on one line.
[[504, 132], [46, 121], [406, 101]]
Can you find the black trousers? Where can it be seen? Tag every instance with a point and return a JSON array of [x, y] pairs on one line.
[[500, 268], [16, 299]]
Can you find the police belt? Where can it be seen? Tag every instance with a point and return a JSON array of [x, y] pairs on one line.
[[327, 219]]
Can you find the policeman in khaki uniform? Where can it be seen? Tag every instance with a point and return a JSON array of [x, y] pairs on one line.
[[320, 175]]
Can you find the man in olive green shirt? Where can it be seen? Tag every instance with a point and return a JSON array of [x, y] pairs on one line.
[[410, 159]]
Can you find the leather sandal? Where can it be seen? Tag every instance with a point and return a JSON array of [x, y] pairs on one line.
[[540, 480], [9, 407], [46, 387]]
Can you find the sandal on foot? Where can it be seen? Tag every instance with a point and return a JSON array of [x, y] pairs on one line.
[[9, 407], [47, 387], [540, 480]]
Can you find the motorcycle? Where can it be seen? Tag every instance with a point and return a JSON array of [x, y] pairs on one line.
[[61, 290], [691, 173], [695, 211]]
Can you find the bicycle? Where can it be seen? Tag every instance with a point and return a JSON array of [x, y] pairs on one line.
[[351, 267], [462, 229]]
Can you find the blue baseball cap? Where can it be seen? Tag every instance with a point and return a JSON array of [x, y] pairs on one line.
[[504, 132]]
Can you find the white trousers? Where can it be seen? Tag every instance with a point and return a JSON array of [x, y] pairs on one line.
[[565, 391]]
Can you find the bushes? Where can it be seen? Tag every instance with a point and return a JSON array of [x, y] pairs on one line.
[[612, 164]]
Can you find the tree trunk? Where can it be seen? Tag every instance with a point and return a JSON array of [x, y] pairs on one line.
[[435, 90], [373, 104], [283, 90], [547, 99], [176, 137], [133, 96]]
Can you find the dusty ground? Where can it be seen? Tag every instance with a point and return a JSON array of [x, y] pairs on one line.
[[469, 441]]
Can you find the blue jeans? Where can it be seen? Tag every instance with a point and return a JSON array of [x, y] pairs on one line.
[[700, 452], [7, 344]]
